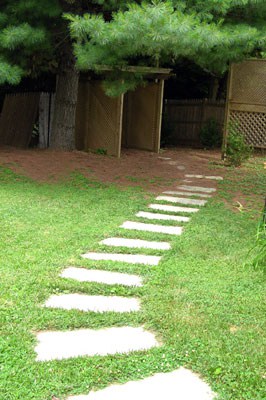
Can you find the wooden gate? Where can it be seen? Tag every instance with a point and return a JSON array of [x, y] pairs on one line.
[[133, 120], [142, 117], [98, 119], [246, 101]]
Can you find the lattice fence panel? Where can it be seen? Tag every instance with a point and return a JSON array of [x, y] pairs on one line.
[[247, 100], [248, 84], [252, 125]]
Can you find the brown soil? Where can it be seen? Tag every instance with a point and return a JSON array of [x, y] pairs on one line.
[[134, 168]]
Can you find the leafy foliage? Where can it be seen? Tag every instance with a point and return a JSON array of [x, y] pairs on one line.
[[210, 134], [237, 151], [211, 33], [118, 33], [27, 38]]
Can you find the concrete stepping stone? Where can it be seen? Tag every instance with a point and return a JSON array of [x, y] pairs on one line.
[[216, 178], [180, 200], [165, 217], [172, 162], [136, 243], [164, 158], [139, 226], [58, 345], [176, 209], [175, 192], [181, 384], [197, 189], [99, 304], [99, 276], [128, 258]]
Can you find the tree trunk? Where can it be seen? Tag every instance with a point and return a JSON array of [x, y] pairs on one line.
[[63, 126], [214, 88]]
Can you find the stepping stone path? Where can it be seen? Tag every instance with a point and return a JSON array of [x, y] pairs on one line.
[[99, 276], [90, 342], [181, 384], [197, 189], [84, 302], [128, 258], [136, 243], [174, 209], [216, 178], [187, 194], [139, 226], [180, 200], [162, 217]]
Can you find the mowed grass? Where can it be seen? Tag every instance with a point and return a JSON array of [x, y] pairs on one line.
[[203, 302]]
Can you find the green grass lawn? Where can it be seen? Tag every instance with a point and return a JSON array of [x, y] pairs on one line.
[[205, 305]]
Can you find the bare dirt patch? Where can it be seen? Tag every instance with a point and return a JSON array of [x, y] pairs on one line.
[[135, 168]]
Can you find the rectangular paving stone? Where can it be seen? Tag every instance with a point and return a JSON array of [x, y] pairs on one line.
[[165, 217], [216, 178], [181, 384], [176, 192], [139, 226], [58, 345], [197, 189], [136, 243], [181, 200], [100, 276], [83, 302], [128, 258], [175, 209]]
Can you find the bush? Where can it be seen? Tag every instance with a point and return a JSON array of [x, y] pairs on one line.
[[210, 134], [237, 151]]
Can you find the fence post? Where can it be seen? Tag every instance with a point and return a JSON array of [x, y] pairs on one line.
[[226, 116]]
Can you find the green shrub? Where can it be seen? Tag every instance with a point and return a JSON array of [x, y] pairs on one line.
[[210, 134], [237, 151], [101, 151]]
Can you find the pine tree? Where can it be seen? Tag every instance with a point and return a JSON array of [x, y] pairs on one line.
[[211, 33], [69, 36]]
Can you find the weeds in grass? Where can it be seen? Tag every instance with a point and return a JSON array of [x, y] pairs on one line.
[[259, 260]]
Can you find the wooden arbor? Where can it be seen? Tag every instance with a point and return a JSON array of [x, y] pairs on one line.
[[132, 120], [246, 101]]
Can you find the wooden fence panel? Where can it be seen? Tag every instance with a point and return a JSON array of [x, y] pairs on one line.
[[184, 119], [246, 101], [17, 119], [142, 117], [104, 121], [46, 110]]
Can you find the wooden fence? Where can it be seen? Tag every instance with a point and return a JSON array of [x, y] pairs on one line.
[[183, 120], [246, 101], [22, 113], [18, 118]]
